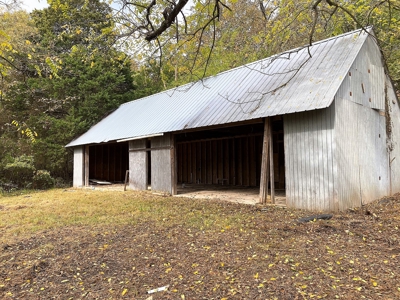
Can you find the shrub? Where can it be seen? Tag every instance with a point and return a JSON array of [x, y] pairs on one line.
[[42, 180], [20, 171]]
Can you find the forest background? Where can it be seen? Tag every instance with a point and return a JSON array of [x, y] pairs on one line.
[[65, 67]]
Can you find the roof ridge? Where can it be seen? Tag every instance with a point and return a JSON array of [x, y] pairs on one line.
[[175, 89]]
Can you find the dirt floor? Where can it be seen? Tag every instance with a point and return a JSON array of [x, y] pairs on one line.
[[236, 194], [265, 253], [244, 195]]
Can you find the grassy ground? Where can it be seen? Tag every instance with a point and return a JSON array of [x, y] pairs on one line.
[[84, 244]]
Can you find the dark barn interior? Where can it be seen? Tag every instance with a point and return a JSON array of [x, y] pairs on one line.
[[228, 156], [109, 162]]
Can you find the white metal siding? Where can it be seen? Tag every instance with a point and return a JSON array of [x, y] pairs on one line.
[[346, 154], [364, 82], [360, 131], [78, 167], [361, 156], [394, 142], [309, 163]]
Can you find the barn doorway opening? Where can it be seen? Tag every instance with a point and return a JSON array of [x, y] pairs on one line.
[[108, 163], [225, 163], [278, 159]]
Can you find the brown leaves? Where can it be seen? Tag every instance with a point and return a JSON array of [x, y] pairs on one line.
[[261, 256]]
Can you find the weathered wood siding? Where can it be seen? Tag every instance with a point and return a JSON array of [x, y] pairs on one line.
[[138, 165], [78, 179], [108, 161], [309, 159], [231, 161], [393, 128], [360, 132], [163, 168]]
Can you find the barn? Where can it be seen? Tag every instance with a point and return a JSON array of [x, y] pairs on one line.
[[320, 122]]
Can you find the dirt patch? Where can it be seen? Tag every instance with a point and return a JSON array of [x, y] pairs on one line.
[[235, 194]]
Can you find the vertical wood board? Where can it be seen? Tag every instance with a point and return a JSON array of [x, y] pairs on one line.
[[163, 165], [138, 165]]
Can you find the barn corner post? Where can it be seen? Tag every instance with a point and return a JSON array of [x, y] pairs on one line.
[[78, 172], [267, 164], [86, 165]]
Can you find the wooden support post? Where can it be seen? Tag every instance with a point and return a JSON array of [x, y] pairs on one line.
[[174, 166], [126, 179], [265, 162], [271, 165], [86, 167]]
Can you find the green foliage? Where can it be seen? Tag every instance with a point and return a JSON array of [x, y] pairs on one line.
[[42, 180], [74, 22], [72, 79], [243, 33], [20, 171]]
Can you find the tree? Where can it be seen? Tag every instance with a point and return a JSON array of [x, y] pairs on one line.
[[7, 8], [171, 26], [74, 77]]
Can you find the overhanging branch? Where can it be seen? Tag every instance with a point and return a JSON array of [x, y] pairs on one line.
[[167, 22]]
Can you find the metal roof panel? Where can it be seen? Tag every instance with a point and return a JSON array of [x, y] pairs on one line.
[[289, 82]]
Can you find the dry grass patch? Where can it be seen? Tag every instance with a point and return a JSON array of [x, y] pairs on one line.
[[29, 213]]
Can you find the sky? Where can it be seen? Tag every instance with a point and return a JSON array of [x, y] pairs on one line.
[[30, 5]]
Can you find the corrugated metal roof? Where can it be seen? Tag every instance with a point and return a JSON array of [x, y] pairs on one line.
[[302, 79]]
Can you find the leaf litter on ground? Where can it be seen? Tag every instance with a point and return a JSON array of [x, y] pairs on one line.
[[200, 249]]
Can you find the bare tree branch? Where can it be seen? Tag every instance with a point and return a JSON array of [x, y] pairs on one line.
[[167, 22]]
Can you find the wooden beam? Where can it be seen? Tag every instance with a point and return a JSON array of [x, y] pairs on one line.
[[126, 179], [247, 122], [221, 138], [265, 162], [151, 149], [233, 164], [182, 163], [271, 165], [174, 167]]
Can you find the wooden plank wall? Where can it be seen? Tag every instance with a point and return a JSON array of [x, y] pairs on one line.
[[236, 161], [163, 178], [109, 162], [138, 165]]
